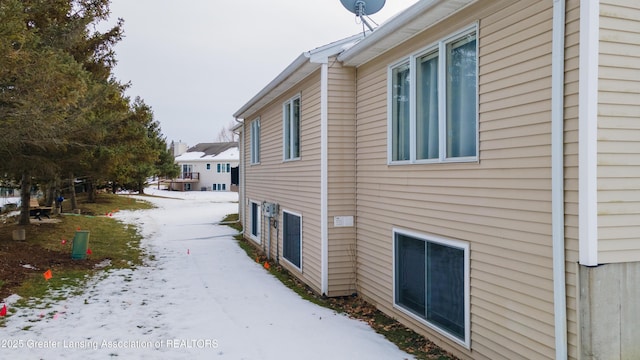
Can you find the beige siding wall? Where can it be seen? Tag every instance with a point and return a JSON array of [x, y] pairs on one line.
[[295, 185], [501, 206], [572, 46], [341, 179], [619, 132]]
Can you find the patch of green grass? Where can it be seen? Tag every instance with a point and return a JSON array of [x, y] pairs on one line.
[[108, 203], [37, 287], [405, 338], [108, 239]]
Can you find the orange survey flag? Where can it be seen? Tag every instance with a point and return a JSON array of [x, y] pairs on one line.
[[47, 274]]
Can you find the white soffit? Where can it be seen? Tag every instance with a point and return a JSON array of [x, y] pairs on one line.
[[416, 19]]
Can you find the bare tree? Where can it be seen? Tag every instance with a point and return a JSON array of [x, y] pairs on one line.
[[226, 134]]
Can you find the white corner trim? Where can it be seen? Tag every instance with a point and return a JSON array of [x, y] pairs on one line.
[[588, 132], [324, 178]]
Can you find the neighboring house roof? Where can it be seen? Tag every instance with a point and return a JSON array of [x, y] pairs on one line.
[[227, 151], [300, 68]]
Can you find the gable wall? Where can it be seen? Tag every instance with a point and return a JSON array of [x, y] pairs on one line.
[[619, 132], [294, 185], [341, 178], [501, 206]]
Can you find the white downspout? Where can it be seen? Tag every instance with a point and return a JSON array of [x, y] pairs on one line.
[[557, 178], [241, 178], [324, 174]]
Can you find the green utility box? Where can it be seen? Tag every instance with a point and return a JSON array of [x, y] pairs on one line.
[[80, 245]]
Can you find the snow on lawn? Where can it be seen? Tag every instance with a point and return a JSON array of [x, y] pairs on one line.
[[200, 298]]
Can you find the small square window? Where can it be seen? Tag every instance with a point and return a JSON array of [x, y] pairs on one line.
[[431, 282], [292, 239]]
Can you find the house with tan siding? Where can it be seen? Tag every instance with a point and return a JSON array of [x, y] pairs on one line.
[[472, 168]]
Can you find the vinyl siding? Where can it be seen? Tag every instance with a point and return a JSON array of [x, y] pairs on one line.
[[341, 179], [294, 185], [619, 132], [501, 205]]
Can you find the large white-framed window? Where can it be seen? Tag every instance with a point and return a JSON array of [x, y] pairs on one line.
[[255, 215], [291, 128], [433, 103], [292, 238], [431, 282], [255, 141]]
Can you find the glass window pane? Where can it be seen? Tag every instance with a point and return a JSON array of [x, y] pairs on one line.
[[427, 136], [287, 130], [291, 243], [255, 141], [400, 113], [295, 129], [461, 97], [410, 274], [445, 288], [255, 218]]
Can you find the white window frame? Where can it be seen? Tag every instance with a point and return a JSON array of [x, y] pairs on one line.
[[255, 142], [441, 48], [223, 168], [255, 237], [288, 128], [462, 245], [301, 240]]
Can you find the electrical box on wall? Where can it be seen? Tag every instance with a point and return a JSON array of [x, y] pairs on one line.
[[270, 209]]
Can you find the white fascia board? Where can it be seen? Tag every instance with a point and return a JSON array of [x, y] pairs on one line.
[[298, 70], [294, 73], [412, 21]]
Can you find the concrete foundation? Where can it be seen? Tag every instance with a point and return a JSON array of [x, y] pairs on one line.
[[610, 312]]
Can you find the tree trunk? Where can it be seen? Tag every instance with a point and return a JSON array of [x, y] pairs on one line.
[[141, 187], [25, 198], [51, 193], [72, 190], [92, 191]]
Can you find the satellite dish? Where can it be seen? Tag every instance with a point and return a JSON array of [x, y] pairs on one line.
[[363, 8]]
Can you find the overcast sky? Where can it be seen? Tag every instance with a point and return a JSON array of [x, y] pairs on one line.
[[196, 62]]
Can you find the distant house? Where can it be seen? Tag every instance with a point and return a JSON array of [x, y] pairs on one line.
[[472, 168], [207, 167]]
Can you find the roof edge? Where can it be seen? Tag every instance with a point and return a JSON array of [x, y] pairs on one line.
[[288, 71], [301, 67], [392, 27]]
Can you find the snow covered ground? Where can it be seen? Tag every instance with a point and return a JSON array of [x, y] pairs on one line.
[[201, 298]]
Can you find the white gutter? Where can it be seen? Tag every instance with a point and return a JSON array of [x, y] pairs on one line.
[[324, 177], [588, 132], [557, 179]]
